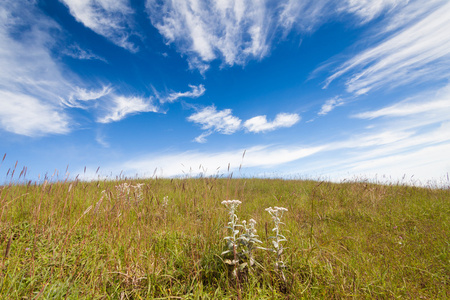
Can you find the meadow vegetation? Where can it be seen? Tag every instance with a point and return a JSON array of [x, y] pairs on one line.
[[165, 239]]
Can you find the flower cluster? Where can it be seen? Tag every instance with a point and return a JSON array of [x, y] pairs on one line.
[[231, 204], [124, 190], [242, 243], [165, 202], [249, 239]]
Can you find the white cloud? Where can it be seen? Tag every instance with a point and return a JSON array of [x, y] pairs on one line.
[[426, 164], [100, 138], [109, 18], [417, 53], [260, 123], [329, 105], [124, 106], [367, 10], [80, 96], [305, 16], [232, 30], [202, 137], [421, 104], [31, 83], [219, 121], [415, 10], [76, 52], [195, 92], [26, 115], [207, 163], [236, 31], [410, 137], [224, 122]]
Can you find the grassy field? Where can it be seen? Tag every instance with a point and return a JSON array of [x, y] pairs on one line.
[[163, 239]]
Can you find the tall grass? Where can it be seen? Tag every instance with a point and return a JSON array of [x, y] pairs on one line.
[[164, 239]]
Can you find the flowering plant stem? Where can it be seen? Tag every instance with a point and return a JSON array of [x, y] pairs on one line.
[[232, 241], [277, 246]]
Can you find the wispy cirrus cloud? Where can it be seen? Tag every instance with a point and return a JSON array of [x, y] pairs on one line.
[[307, 16], [260, 123], [207, 163], [75, 51], [330, 104], [418, 52], [427, 103], [109, 18], [31, 83], [111, 106], [123, 106], [408, 137], [233, 30], [238, 31], [195, 92], [81, 96], [368, 10]]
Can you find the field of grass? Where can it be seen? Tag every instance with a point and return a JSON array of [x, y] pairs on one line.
[[163, 239]]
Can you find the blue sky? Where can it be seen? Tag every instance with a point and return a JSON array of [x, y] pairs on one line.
[[308, 89]]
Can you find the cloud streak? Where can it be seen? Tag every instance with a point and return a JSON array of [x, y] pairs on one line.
[[193, 162], [421, 104], [109, 18], [80, 97], [195, 92], [31, 83], [238, 31], [232, 30], [75, 51], [368, 10], [124, 106], [417, 53]]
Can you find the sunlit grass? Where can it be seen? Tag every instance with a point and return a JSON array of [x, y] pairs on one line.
[[163, 238]]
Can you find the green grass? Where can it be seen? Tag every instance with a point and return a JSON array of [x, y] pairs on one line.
[[348, 240]]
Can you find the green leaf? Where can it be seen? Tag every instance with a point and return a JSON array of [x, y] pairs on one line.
[[262, 248], [242, 266]]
